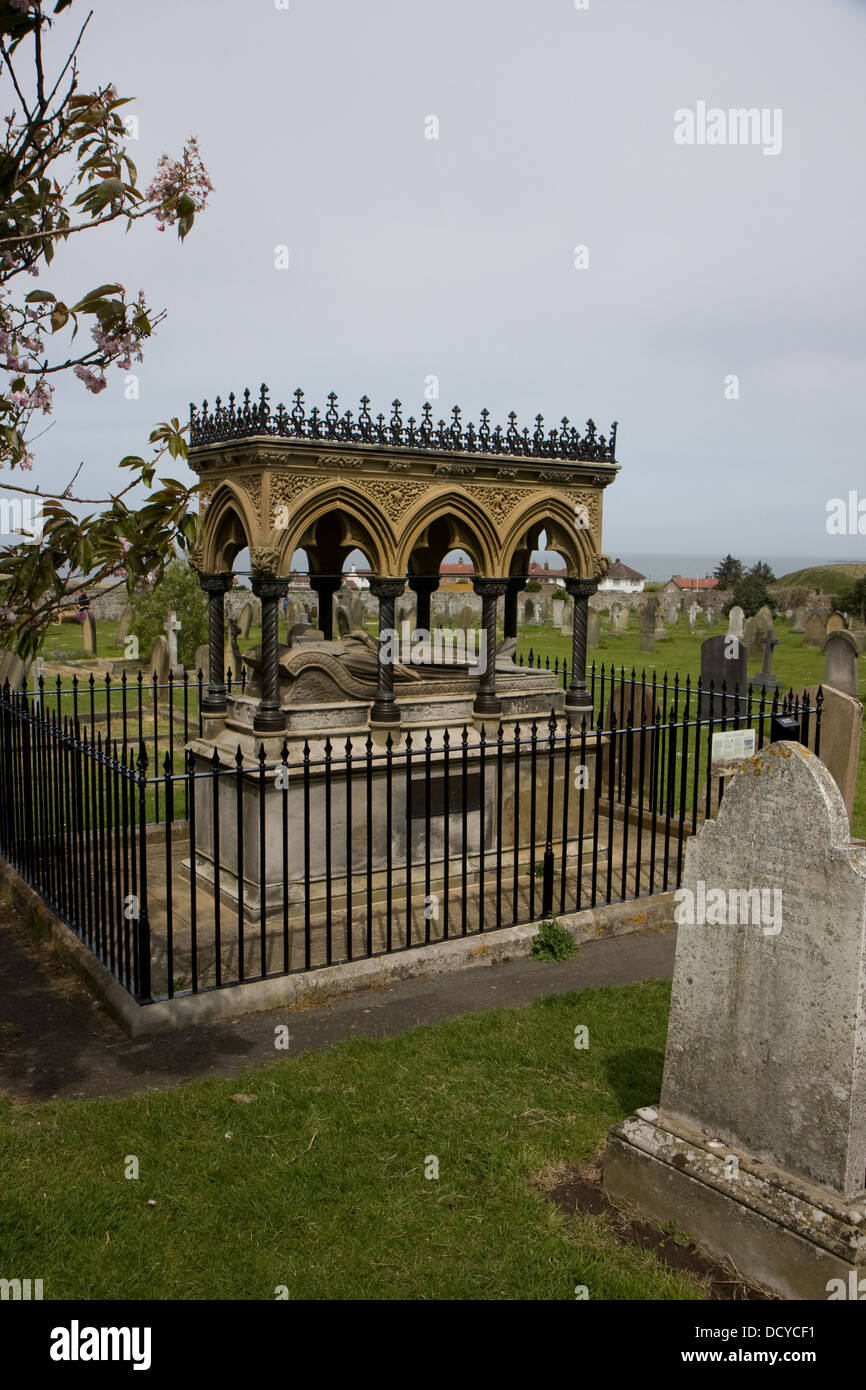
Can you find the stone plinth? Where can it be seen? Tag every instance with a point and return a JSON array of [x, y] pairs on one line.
[[765, 1065]]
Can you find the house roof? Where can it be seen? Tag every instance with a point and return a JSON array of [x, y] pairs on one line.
[[683, 583], [620, 571]]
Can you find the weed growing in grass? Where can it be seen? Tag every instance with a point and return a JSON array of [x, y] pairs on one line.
[[553, 942]]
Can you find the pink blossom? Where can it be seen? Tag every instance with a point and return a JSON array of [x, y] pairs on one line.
[[173, 177], [93, 382]]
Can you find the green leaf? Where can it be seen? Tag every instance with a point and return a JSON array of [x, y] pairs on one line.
[[40, 297], [59, 317]]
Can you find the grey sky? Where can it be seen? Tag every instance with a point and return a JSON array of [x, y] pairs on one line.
[[454, 256]]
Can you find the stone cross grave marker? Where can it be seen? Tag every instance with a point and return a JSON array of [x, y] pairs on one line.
[[765, 679], [758, 1145], [172, 626]]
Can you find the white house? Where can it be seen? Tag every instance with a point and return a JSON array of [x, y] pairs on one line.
[[623, 579]]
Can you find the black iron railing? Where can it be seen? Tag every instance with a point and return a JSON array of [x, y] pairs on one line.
[[249, 417], [185, 870]]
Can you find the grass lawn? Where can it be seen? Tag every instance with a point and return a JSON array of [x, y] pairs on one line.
[[310, 1173]]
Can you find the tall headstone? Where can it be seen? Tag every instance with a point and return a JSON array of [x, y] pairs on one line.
[[123, 626], [201, 663], [88, 634], [160, 661], [694, 610], [566, 625], [593, 628], [343, 624], [618, 618], [172, 628], [735, 622], [764, 616], [798, 619], [245, 620], [813, 629], [757, 1147], [557, 607], [840, 662], [839, 744], [723, 676], [464, 620]]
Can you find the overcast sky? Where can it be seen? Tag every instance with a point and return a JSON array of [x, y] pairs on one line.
[[455, 257]]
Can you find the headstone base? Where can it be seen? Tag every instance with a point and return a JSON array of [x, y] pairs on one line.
[[779, 1231]]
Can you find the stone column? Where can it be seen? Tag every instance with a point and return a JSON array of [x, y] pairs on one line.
[[486, 701], [510, 615], [387, 591], [216, 586], [577, 698], [325, 586], [423, 587], [269, 718]]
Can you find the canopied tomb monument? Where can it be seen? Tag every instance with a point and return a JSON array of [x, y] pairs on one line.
[[405, 493]]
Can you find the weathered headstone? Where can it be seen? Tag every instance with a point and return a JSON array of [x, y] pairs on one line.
[[798, 620], [670, 608], [201, 663], [593, 628], [813, 630], [724, 661], [647, 640], [840, 662], [758, 1145], [88, 634], [618, 618], [160, 662], [556, 615], [629, 706], [566, 625], [245, 620], [694, 610], [835, 623], [465, 618], [764, 616], [735, 622], [841, 728], [123, 627]]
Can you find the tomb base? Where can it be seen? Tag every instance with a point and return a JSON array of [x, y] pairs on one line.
[[793, 1238]]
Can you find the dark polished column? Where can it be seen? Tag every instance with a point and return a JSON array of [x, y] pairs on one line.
[[578, 699], [509, 626], [269, 718], [422, 587], [325, 586], [486, 701], [387, 591], [216, 586]]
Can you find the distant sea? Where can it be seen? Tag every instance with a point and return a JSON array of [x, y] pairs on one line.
[[662, 567]]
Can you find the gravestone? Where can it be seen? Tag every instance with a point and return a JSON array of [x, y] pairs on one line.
[[660, 631], [201, 662], [567, 623], [694, 610], [618, 618], [757, 1147], [465, 617], [245, 620], [670, 608], [88, 634], [343, 623], [841, 727], [764, 616], [160, 662], [593, 628], [813, 630], [557, 607], [735, 622], [172, 627], [647, 640], [123, 627], [835, 623], [752, 634], [840, 662], [765, 679], [798, 620], [628, 705], [723, 663]]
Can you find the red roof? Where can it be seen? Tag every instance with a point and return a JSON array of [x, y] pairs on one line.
[[682, 583], [620, 571]]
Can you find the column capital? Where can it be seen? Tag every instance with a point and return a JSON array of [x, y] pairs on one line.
[[383, 587], [581, 588], [269, 586], [489, 588], [216, 583]]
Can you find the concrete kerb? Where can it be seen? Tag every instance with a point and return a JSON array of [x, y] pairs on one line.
[[328, 982]]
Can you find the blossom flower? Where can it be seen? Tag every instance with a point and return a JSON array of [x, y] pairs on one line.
[[174, 177], [93, 382]]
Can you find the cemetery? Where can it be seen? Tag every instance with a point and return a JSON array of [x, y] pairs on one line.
[[398, 899]]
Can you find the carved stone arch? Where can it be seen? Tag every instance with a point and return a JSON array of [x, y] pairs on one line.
[[456, 521], [228, 526], [356, 523], [556, 516]]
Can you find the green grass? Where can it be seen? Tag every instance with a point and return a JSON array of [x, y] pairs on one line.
[[823, 579], [318, 1183]]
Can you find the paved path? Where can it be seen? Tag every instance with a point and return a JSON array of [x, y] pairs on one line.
[[56, 1041]]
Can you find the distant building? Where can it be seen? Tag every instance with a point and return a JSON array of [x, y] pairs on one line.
[[677, 584], [543, 574], [456, 576], [623, 579]]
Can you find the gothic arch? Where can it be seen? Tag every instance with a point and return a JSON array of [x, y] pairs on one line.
[[228, 526], [556, 516], [359, 524], [464, 525]]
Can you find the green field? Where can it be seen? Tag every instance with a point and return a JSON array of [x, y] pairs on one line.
[[310, 1173]]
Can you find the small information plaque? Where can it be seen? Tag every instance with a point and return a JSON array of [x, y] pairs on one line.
[[733, 745]]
